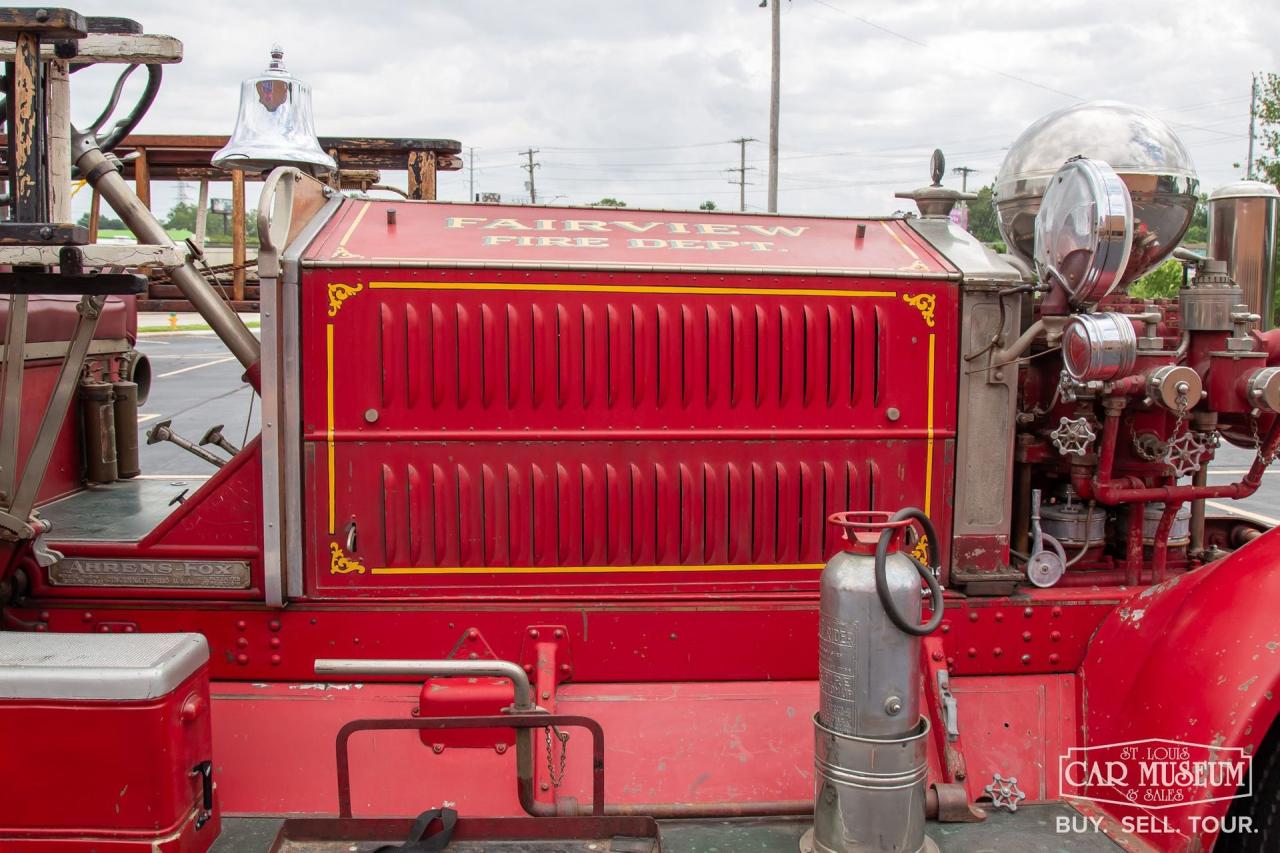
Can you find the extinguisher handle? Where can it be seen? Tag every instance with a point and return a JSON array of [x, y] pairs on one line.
[[926, 574]]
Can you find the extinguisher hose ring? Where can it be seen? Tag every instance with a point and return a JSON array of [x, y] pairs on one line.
[[926, 574]]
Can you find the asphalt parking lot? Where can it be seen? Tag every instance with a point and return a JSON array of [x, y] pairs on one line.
[[196, 384]]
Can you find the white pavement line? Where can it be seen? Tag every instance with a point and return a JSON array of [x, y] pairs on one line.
[[142, 419], [195, 367], [172, 477], [1238, 471], [1243, 513]]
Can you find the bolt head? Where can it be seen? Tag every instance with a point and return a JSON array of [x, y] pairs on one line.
[[893, 706]]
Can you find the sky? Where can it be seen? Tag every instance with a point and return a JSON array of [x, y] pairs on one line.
[[639, 101]]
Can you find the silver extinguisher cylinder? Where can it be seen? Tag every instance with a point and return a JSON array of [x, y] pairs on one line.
[[870, 740], [868, 670]]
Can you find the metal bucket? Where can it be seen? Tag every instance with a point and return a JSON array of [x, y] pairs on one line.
[[870, 792]]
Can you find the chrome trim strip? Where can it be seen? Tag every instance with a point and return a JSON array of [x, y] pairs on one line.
[[281, 415], [839, 272]]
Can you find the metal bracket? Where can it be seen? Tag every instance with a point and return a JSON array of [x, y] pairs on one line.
[[950, 718], [547, 647]]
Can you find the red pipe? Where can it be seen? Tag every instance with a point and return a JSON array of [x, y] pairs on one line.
[[1131, 490], [1133, 560], [1160, 556]]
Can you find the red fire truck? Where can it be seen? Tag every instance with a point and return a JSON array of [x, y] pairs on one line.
[[582, 526]]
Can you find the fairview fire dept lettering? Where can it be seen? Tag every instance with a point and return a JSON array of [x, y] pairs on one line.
[[672, 234]]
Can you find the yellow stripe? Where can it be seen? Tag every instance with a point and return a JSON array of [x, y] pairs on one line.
[[579, 570], [928, 452], [328, 375], [899, 241], [610, 288], [355, 223]]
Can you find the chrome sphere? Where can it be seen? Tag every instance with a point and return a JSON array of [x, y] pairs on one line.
[[1143, 151]]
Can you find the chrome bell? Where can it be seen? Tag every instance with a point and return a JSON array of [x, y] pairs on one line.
[[275, 126]]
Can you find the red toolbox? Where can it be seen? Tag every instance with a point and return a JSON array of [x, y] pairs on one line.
[[105, 743]]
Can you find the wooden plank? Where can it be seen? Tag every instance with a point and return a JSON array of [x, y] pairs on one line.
[[422, 175], [30, 202], [237, 235], [202, 214], [58, 122], [107, 254], [181, 305], [46, 22], [142, 177], [114, 49]]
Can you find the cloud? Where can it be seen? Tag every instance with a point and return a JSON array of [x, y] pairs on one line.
[[613, 93]]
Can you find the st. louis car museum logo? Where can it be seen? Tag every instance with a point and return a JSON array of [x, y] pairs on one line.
[[1155, 773]]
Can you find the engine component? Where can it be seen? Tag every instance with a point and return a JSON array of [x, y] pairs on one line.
[[1208, 306], [1175, 387], [1074, 436], [1071, 522], [1264, 389], [1189, 450], [870, 742], [126, 424], [1046, 565], [99, 432], [1083, 231], [1099, 346], [1242, 232], [136, 367], [1143, 151], [1179, 533]]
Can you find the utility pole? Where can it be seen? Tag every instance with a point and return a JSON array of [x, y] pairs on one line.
[[964, 172], [471, 170], [774, 97], [742, 170], [529, 167], [1253, 120]]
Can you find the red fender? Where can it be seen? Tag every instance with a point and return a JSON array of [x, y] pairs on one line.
[[1195, 659]]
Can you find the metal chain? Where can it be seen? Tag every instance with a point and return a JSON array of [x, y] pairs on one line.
[[563, 737], [1253, 427]]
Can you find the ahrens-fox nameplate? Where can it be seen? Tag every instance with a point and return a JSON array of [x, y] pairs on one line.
[[177, 574]]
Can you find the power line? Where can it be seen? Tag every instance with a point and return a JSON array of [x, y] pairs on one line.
[[927, 46]]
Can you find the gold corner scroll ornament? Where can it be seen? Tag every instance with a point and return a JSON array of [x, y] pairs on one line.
[[341, 564], [925, 303], [340, 293], [921, 550]]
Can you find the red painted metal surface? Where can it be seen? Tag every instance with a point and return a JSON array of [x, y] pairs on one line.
[[483, 429], [609, 637], [1206, 629], [459, 235], [102, 775]]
